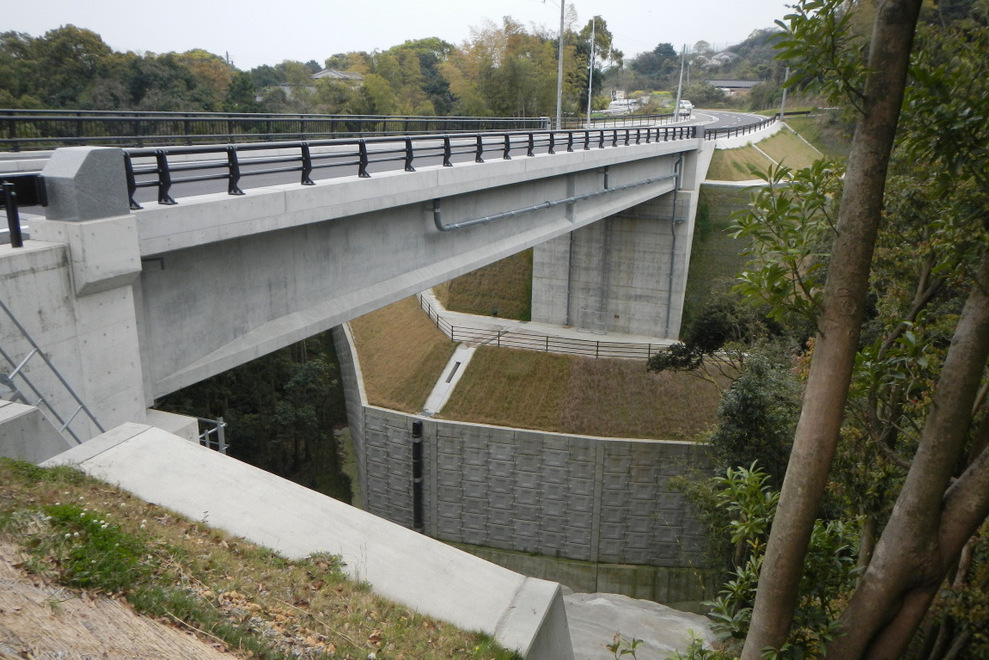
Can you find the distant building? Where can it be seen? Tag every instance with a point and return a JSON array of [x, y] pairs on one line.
[[333, 74], [734, 87], [349, 77]]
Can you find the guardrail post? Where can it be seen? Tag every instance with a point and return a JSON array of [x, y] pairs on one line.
[[164, 178], [479, 152], [508, 147], [531, 146], [13, 216], [306, 165], [233, 167], [447, 151], [408, 155], [569, 141], [362, 165], [552, 143]]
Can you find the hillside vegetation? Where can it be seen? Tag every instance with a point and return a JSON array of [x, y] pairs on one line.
[[77, 541]]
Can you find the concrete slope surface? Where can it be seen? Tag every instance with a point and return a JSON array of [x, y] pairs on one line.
[[595, 619], [438, 580]]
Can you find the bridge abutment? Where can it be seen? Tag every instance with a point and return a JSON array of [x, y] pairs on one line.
[[72, 290]]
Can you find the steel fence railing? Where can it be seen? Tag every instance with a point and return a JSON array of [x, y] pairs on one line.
[[717, 133], [49, 129], [164, 168], [545, 343]]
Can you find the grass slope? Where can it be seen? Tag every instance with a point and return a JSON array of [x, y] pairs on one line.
[[236, 597], [784, 146], [402, 354], [583, 396], [503, 288]]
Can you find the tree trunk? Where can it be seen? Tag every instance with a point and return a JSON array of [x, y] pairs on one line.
[[930, 523], [844, 297]]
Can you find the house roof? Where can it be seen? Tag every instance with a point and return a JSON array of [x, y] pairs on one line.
[[734, 84], [337, 75]]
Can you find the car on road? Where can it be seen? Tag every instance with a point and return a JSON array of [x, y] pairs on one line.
[[686, 107]]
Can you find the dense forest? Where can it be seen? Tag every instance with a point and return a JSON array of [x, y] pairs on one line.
[[505, 70]]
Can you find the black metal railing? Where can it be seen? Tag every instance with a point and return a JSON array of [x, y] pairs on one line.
[[716, 133], [18, 190], [164, 168], [48, 129], [543, 343], [619, 121]]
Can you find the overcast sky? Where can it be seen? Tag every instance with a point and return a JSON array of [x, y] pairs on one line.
[[255, 32]]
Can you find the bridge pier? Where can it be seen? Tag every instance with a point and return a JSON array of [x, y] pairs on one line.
[[625, 274]]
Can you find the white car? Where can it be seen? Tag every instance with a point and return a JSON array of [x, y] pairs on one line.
[[686, 107]]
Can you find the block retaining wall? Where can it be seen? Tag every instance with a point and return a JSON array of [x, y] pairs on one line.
[[586, 499]]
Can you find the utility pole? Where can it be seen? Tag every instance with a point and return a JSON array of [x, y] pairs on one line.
[[786, 77], [676, 108], [559, 72], [590, 73]]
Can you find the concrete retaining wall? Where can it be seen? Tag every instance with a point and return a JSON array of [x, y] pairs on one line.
[[598, 500]]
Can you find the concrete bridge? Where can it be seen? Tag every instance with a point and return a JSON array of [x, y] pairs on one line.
[[134, 304], [130, 305]]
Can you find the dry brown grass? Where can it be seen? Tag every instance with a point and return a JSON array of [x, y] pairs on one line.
[[505, 286], [511, 388], [402, 354], [567, 394], [620, 398]]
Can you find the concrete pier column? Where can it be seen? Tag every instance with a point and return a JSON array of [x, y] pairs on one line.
[[624, 274]]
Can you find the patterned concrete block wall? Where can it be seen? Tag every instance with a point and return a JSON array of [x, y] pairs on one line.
[[590, 499], [601, 500]]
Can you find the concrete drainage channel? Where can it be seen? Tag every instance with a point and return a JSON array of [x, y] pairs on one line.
[[448, 380]]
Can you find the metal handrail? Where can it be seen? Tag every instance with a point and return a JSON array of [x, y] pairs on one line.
[[46, 129], [151, 168], [62, 424], [717, 133], [539, 342]]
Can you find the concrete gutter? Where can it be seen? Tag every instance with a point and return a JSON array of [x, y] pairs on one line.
[[521, 613]]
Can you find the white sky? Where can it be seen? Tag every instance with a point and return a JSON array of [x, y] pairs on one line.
[[255, 32]]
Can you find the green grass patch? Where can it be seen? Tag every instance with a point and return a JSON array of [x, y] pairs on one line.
[[402, 354], [715, 257], [825, 130], [787, 148], [503, 288], [736, 164], [82, 533]]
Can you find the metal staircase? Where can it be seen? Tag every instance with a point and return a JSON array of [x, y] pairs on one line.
[[17, 386]]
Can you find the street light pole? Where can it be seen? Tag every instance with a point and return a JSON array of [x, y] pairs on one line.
[[590, 73], [559, 71]]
